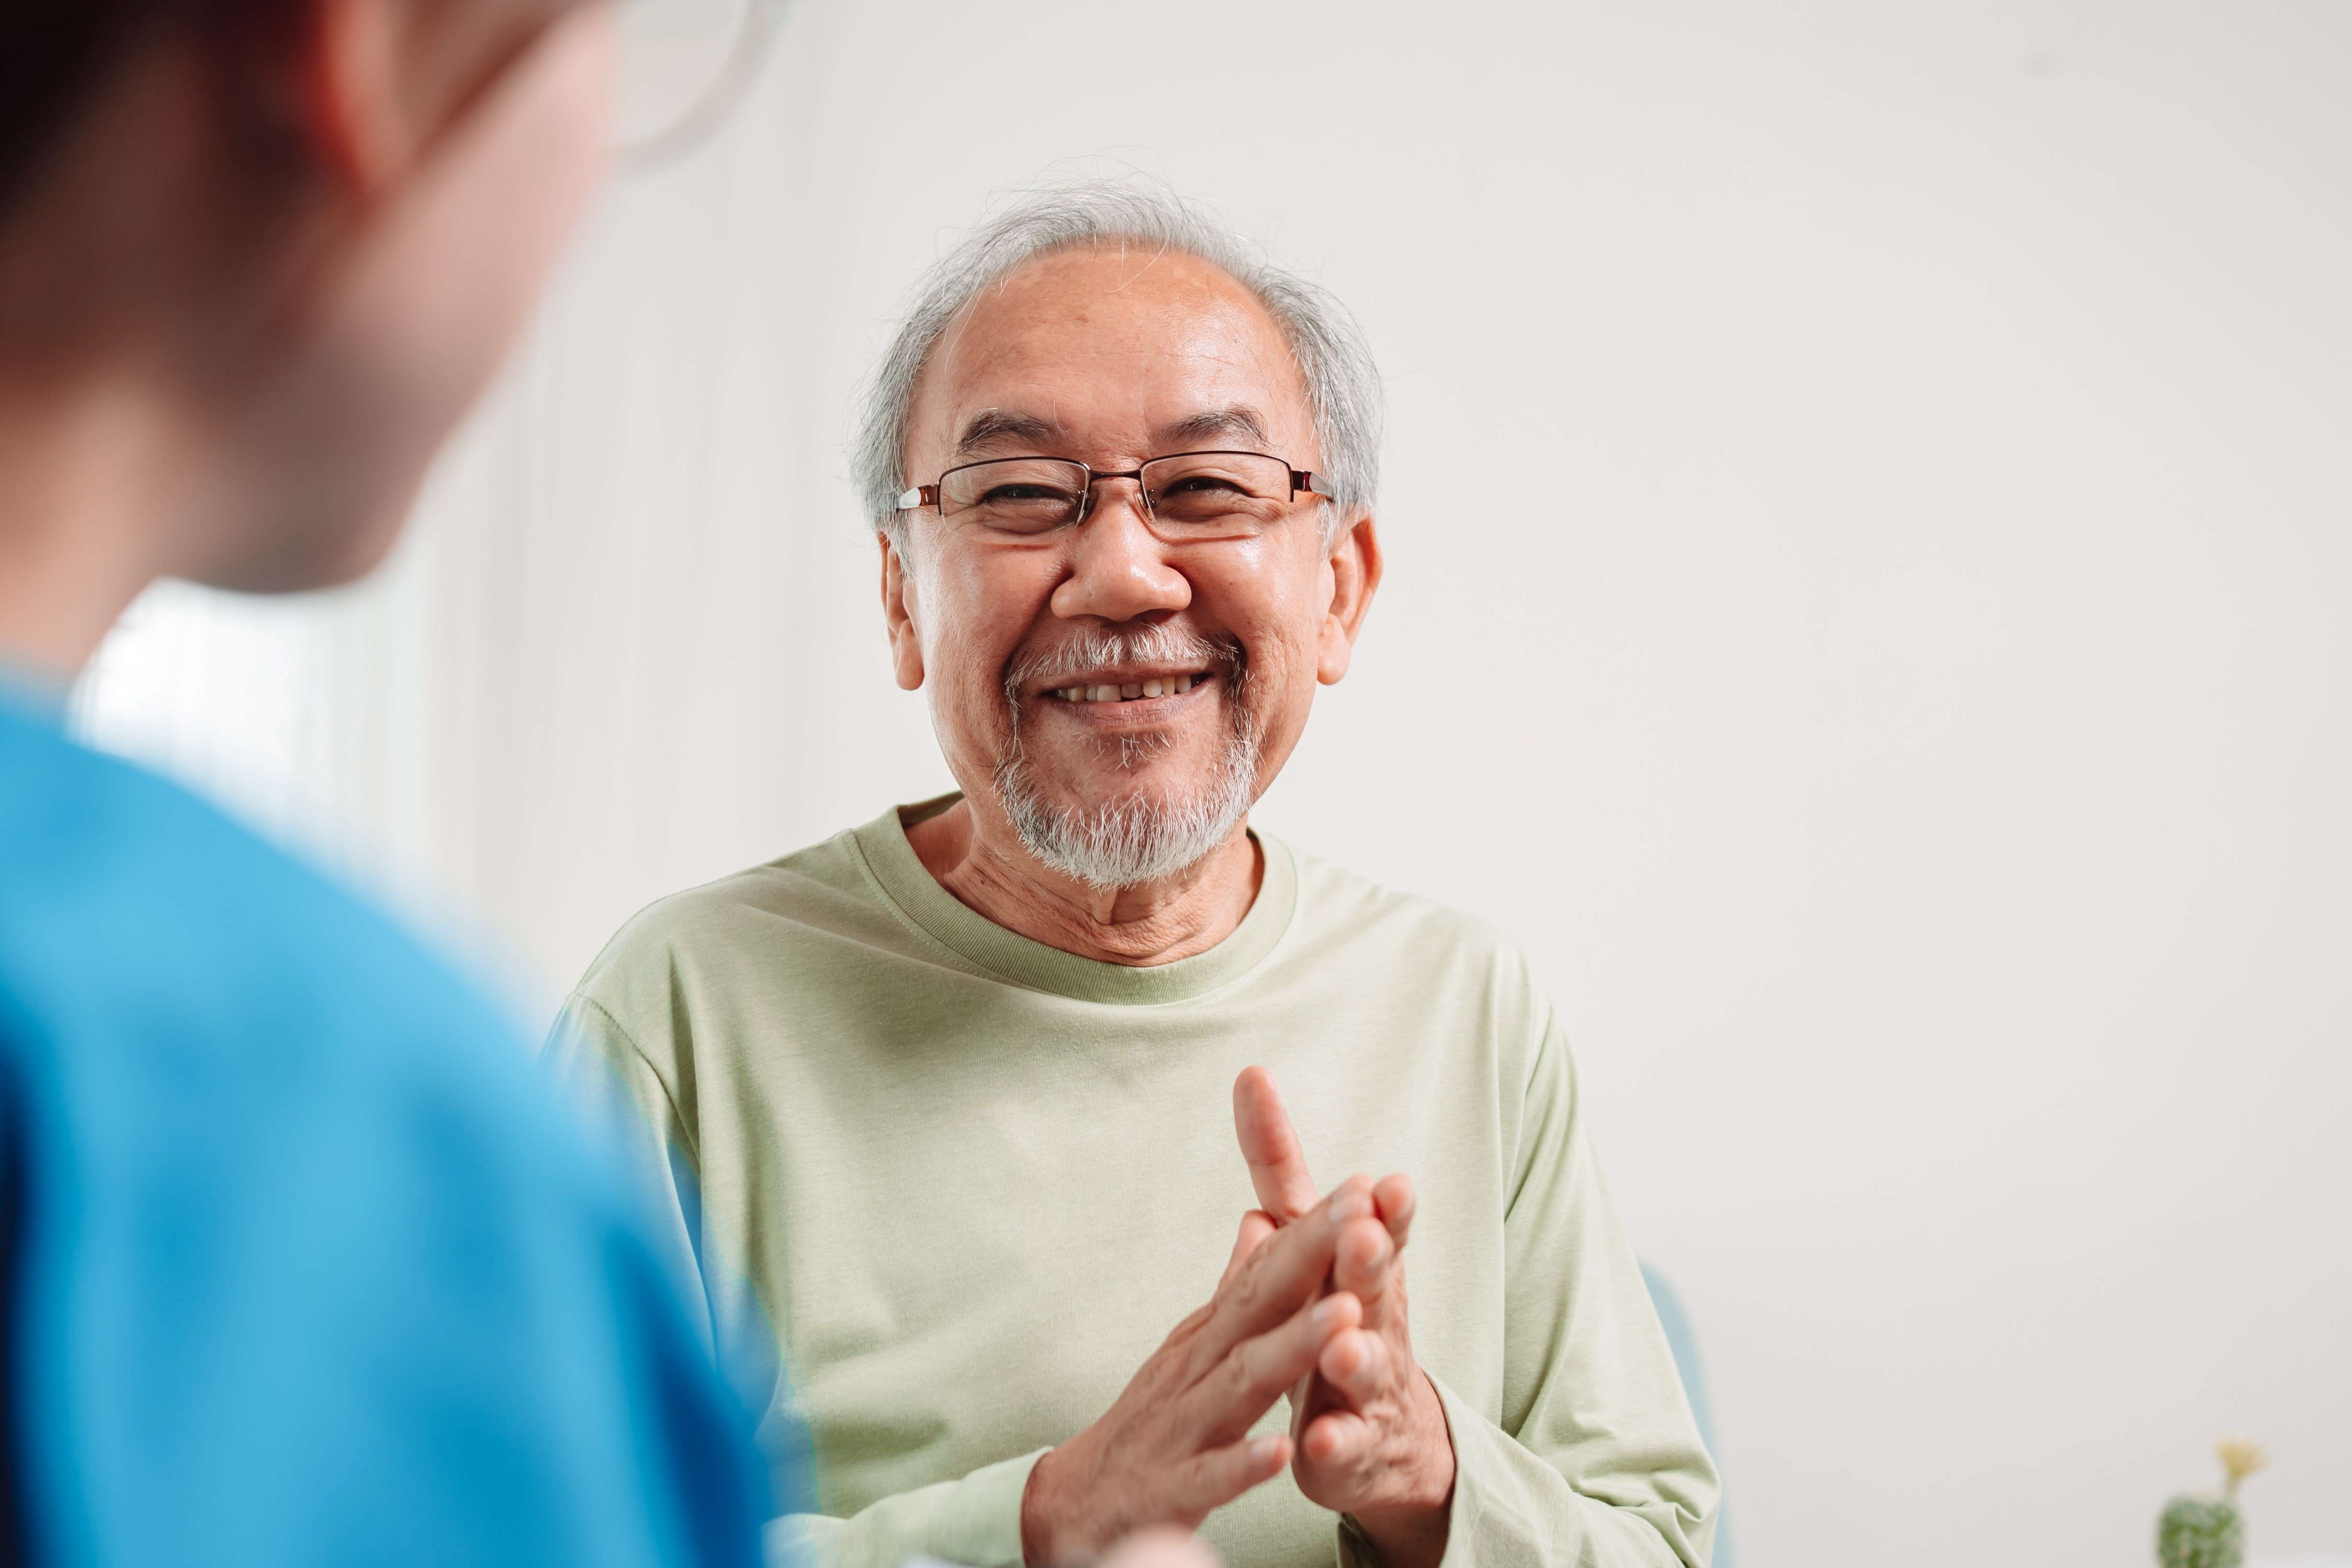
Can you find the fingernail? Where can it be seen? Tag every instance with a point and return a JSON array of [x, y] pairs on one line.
[[1265, 1451], [1350, 1204], [1326, 1312]]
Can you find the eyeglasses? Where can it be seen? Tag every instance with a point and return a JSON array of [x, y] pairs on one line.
[[1187, 496], [684, 66]]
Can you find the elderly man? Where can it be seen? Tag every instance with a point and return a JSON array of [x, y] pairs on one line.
[[942, 1098]]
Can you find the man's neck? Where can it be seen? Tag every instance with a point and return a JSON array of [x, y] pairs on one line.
[[991, 872], [84, 470]]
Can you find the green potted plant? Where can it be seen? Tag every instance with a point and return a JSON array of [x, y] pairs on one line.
[[2208, 1531]]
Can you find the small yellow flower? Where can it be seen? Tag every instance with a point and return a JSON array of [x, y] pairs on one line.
[[2241, 1458]]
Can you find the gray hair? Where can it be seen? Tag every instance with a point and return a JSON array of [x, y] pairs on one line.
[[1343, 385]]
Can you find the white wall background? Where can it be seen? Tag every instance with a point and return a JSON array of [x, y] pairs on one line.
[[1868, 510]]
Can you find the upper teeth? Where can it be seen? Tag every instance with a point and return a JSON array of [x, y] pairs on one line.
[[1165, 686]]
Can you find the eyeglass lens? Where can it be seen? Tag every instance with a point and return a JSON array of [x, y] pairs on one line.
[[683, 65], [1187, 496]]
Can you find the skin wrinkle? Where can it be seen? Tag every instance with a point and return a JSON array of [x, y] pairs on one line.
[[1047, 436], [952, 336], [1117, 363], [963, 318]]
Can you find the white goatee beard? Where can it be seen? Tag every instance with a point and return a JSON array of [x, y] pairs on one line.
[[1125, 843]]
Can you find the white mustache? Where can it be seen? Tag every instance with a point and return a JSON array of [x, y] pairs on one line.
[[1093, 649]]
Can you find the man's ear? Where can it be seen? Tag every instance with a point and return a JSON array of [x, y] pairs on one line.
[[361, 123], [1355, 568], [898, 611]]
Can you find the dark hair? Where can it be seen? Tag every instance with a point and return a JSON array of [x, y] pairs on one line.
[[54, 55]]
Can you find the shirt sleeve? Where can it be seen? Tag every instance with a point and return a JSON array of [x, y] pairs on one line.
[[975, 1519], [1594, 1458], [631, 1108]]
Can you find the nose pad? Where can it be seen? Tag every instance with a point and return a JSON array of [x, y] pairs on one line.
[[1103, 520], [1131, 498]]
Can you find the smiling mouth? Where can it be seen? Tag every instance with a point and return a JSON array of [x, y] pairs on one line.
[[1131, 691]]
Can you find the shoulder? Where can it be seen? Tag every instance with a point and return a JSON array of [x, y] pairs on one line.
[[1405, 940], [240, 1098], [110, 871], [159, 961], [1336, 904], [772, 918]]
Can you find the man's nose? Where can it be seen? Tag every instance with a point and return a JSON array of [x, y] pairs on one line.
[[1118, 567]]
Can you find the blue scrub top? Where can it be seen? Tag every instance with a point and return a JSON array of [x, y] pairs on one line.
[[302, 1265]]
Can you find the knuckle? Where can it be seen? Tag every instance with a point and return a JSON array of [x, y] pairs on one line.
[[1241, 1375], [1199, 1483], [1251, 1291], [1199, 1359], [1237, 1290], [1207, 1480]]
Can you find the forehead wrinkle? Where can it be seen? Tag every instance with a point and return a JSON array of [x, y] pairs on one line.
[[1197, 329], [1055, 285]]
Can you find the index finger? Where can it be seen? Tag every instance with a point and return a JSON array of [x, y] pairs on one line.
[[1277, 1162], [1288, 1270]]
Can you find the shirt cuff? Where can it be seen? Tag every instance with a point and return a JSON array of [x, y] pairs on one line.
[[975, 1519], [1356, 1548], [1467, 1429], [987, 1511]]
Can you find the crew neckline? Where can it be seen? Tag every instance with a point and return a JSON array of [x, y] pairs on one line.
[[919, 897]]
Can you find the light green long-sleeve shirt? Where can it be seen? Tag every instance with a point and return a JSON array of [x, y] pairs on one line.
[[972, 1182]]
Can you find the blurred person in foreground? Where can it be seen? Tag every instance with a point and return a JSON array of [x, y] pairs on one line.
[[948, 1093], [299, 1264]]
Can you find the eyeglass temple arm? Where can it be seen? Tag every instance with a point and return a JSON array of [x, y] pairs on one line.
[[921, 495], [1312, 483]]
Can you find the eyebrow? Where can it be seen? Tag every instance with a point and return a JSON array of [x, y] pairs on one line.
[[997, 427], [1235, 419]]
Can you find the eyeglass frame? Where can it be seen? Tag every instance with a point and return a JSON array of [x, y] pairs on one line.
[[712, 110], [920, 497]]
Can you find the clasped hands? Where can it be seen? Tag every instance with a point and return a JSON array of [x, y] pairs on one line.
[[1311, 1306]]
